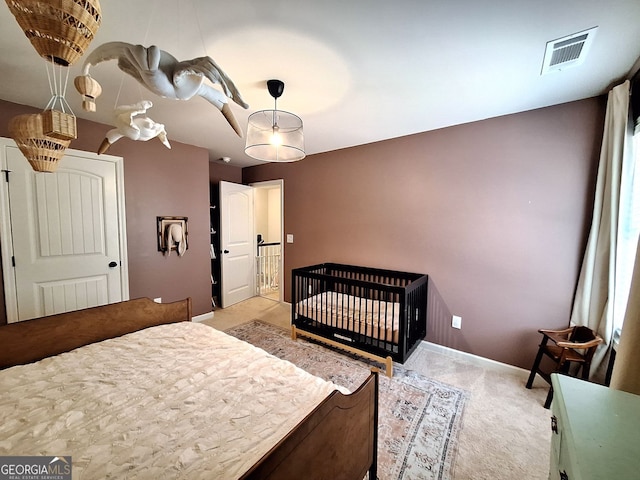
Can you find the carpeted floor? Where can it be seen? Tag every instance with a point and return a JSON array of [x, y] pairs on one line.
[[506, 431], [419, 418]]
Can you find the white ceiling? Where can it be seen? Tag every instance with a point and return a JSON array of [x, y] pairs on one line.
[[356, 71]]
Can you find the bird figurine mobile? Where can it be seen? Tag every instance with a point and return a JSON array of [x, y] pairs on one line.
[[161, 73], [129, 124]]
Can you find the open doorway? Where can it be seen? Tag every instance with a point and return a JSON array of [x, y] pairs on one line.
[[269, 228]]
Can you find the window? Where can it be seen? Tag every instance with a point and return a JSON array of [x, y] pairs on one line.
[[628, 229]]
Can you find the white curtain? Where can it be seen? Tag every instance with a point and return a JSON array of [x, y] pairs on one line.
[[626, 371], [594, 301]]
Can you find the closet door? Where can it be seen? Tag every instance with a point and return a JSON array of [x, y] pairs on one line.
[[66, 236]]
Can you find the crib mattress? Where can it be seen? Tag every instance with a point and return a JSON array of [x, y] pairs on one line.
[[373, 318]]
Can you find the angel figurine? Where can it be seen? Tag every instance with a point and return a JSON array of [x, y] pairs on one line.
[[129, 125]]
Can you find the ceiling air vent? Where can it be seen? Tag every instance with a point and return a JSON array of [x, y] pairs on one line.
[[568, 51]]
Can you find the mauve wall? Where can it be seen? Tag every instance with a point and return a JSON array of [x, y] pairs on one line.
[[158, 181], [496, 212], [223, 172]]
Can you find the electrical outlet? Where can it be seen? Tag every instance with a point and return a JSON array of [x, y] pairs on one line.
[[158, 300], [456, 321]]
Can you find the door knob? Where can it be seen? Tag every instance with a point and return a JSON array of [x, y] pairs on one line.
[[225, 251], [113, 264]]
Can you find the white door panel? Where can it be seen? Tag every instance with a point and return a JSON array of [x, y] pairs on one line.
[[237, 243], [65, 233], [75, 294]]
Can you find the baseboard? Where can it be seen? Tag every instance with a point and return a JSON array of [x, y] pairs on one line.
[[203, 317], [475, 359]]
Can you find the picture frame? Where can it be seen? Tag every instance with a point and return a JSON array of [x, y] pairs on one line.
[[163, 224]]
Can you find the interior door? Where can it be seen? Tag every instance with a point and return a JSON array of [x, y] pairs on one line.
[[237, 243], [66, 237]]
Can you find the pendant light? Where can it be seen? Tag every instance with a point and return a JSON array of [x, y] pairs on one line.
[[275, 135]]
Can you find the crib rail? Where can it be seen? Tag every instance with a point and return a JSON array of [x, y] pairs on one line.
[[380, 311]]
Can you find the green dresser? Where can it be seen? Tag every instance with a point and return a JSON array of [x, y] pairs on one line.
[[596, 432]]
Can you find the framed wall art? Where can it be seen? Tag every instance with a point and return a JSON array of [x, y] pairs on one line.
[[173, 234]]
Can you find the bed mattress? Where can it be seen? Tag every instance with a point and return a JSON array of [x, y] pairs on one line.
[[373, 318], [174, 401]]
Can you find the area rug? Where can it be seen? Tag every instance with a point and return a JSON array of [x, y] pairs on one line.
[[419, 418]]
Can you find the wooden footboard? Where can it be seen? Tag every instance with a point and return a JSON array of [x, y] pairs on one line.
[[338, 440], [32, 340]]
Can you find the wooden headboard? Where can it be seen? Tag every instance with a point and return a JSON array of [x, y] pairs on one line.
[[33, 340]]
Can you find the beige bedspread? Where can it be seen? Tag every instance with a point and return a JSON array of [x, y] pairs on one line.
[[374, 318], [173, 401]]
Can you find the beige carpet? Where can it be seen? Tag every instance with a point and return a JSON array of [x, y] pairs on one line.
[[419, 419], [506, 431]]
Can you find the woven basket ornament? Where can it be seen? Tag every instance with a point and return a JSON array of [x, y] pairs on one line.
[[42, 151], [90, 89], [61, 125], [59, 30]]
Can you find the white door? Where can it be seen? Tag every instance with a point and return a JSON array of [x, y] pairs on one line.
[[237, 243], [64, 234]]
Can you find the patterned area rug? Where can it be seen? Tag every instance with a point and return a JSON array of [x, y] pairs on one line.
[[419, 419]]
